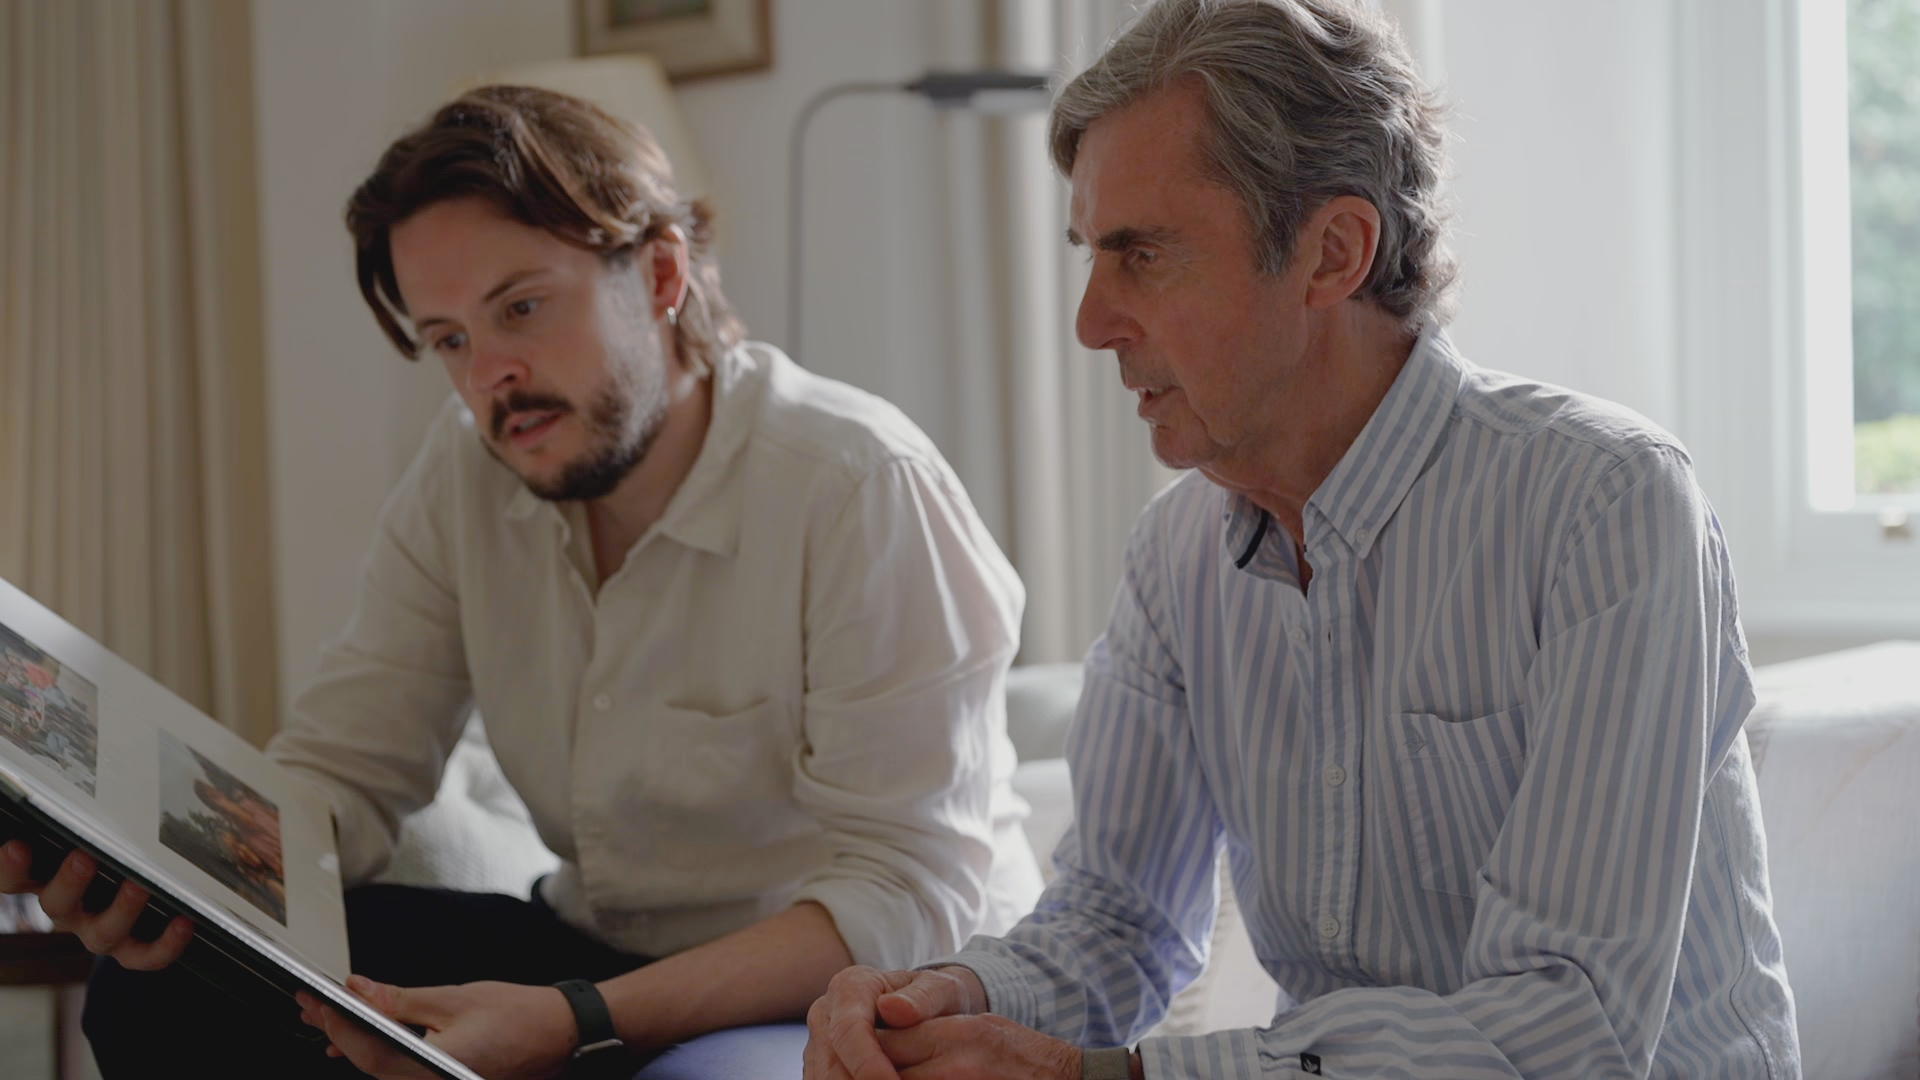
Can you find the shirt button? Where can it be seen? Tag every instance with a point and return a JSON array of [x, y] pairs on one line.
[[1299, 636], [1336, 776], [1329, 927], [1360, 535], [603, 702]]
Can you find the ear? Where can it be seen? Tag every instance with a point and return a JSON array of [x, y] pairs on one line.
[[1344, 234], [668, 262]]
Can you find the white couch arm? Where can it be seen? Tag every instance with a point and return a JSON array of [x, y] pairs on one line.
[[1836, 745]]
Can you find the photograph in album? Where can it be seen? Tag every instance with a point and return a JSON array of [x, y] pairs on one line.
[[215, 821], [47, 709]]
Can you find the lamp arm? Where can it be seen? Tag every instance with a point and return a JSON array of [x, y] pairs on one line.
[[796, 173]]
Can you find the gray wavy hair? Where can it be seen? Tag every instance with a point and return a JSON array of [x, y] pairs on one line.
[[1310, 100]]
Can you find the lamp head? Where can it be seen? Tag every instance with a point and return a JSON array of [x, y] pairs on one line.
[[999, 92]]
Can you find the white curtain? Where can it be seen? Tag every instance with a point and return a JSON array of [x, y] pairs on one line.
[[1047, 441], [132, 439], [1421, 25]]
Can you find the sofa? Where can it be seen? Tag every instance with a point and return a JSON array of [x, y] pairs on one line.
[[1836, 745]]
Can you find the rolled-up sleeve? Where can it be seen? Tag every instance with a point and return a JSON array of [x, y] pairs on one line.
[[911, 619]]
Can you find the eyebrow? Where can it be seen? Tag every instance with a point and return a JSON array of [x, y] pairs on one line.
[[506, 283], [1123, 238]]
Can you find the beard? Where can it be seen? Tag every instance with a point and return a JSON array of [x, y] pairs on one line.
[[625, 414]]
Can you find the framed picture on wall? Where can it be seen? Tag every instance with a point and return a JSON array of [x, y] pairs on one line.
[[690, 38]]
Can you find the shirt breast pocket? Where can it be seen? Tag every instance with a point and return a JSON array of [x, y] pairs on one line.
[[714, 763], [1453, 783]]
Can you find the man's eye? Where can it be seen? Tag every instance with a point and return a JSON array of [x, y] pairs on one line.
[[1138, 258], [523, 307], [449, 343]]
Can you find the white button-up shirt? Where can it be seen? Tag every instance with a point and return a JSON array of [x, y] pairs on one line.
[[791, 690]]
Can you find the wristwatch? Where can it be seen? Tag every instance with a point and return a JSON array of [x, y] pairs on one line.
[[591, 1016], [1114, 1063]]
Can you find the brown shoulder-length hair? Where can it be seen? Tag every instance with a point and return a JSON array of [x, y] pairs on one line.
[[553, 162]]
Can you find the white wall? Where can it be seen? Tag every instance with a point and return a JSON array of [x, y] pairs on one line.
[[334, 83], [1565, 184]]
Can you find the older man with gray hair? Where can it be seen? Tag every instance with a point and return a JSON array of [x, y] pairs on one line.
[[1447, 662]]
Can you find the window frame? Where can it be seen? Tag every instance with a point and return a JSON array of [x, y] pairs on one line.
[[1754, 249]]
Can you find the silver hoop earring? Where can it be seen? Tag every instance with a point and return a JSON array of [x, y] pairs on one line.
[[673, 316]]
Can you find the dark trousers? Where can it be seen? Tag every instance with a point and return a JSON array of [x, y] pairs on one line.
[[175, 1023]]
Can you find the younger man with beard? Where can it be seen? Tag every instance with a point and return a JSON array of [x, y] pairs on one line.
[[738, 635]]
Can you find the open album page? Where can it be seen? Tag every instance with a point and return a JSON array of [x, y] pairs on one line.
[[114, 748]]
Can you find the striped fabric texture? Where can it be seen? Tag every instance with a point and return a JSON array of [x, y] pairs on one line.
[[1482, 786]]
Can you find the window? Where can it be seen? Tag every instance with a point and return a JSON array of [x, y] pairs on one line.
[[1799, 247], [1883, 159], [1860, 216]]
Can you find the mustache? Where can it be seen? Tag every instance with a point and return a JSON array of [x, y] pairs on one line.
[[523, 401]]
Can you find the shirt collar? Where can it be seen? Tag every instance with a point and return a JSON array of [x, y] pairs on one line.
[[705, 512], [1372, 479], [1363, 491]]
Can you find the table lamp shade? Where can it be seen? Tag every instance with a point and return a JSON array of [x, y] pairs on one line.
[[631, 86]]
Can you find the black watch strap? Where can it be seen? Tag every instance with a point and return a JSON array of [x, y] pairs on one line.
[[590, 1015]]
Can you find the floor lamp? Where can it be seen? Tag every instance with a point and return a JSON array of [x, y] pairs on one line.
[[998, 93]]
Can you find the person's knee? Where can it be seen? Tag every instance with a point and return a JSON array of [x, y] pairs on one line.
[[121, 1009], [384, 923], [369, 907], [114, 995]]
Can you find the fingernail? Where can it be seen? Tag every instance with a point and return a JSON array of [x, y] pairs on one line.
[[82, 864], [360, 984]]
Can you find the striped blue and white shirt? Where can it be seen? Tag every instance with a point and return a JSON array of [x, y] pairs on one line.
[[1482, 786]]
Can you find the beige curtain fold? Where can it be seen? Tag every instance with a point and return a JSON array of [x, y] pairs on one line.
[[1109, 464], [133, 488], [1045, 437]]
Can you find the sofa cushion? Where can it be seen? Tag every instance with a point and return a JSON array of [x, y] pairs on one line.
[[1041, 699], [1836, 745]]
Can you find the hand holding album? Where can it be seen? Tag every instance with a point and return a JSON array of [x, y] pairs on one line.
[[502, 1030], [106, 932]]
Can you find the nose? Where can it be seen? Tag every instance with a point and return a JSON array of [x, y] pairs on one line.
[[494, 365], [1099, 324]]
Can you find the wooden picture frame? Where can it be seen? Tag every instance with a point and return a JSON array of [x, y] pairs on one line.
[[692, 39]]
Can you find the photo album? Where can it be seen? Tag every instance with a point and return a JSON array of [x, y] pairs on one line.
[[95, 754]]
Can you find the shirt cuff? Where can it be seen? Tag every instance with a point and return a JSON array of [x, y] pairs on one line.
[[1223, 1055], [1008, 982]]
